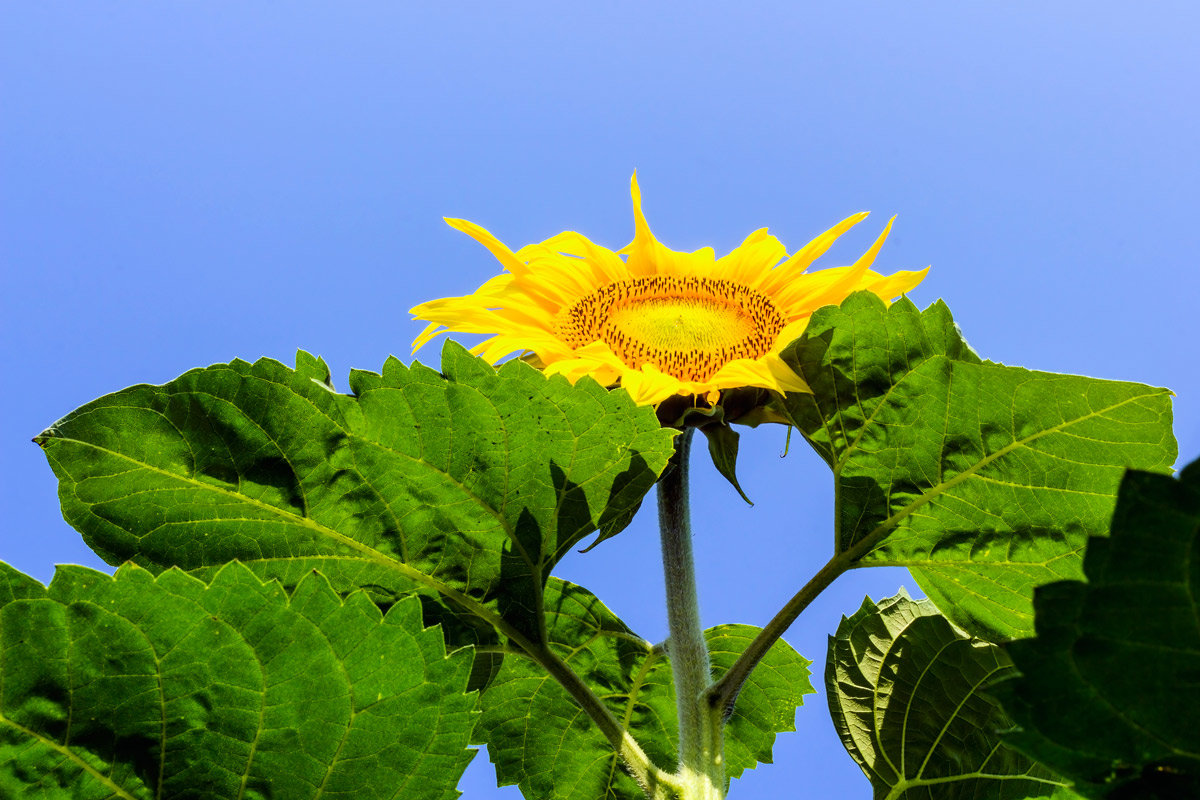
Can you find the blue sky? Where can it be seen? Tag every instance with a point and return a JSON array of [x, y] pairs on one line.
[[185, 183]]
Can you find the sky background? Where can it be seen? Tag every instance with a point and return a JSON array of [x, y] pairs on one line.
[[185, 183]]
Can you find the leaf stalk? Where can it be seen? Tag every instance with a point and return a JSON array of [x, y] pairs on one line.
[[722, 695], [654, 782]]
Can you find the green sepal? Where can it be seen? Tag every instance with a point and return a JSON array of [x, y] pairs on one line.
[[723, 449]]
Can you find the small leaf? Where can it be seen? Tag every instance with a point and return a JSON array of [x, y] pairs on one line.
[[985, 480], [1109, 691], [767, 702], [905, 695], [723, 449], [140, 687], [539, 738]]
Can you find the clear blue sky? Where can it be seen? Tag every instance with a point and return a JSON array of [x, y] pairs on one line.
[[184, 183]]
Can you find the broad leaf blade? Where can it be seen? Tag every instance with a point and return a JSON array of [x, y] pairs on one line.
[[905, 692], [473, 479], [1109, 691], [165, 687], [986, 480], [539, 739]]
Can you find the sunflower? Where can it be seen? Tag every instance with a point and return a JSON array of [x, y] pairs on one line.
[[658, 322]]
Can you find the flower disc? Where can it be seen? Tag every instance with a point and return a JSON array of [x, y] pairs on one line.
[[687, 327]]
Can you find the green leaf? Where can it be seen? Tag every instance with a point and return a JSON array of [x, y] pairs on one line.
[[463, 487], [468, 484], [141, 687], [905, 694], [985, 480], [1109, 691], [768, 700], [539, 738]]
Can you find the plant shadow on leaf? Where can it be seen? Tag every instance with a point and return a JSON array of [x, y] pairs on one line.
[[520, 600], [626, 502], [1107, 693]]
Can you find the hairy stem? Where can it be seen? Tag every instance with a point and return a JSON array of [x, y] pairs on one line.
[[701, 749]]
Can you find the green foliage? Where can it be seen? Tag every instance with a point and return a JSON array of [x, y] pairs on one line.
[[267, 669], [467, 484], [539, 741], [985, 480], [463, 488], [905, 691], [1109, 691], [145, 687]]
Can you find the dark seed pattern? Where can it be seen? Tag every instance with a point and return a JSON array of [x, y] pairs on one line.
[[591, 319]]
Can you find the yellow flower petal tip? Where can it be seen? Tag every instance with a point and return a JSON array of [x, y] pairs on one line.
[[657, 322]]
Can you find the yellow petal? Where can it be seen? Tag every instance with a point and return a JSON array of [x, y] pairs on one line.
[[604, 262], [649, 386], [497, 248], [750, 262], [830, 286], [791, 269], [891, 286]]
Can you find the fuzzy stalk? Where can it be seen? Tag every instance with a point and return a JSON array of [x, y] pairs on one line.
[[701, 746]]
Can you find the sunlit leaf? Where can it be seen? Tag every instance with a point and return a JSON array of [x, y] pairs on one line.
[[905, 692], [1109, 691], [985, 480], [164, 687], [475, 480]]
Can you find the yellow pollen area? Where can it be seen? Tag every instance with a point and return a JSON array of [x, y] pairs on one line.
[[688, 327]]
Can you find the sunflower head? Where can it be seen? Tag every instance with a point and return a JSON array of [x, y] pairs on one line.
[[657, 322]]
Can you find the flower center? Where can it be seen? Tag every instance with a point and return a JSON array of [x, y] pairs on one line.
[[687, 327]]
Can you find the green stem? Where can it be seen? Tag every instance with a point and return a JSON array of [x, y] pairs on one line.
[[701, 749], [723, 694]]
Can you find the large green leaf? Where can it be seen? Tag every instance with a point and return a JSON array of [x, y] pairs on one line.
[[463, 487], [905, 694], [539, 739], [145, 687], [473, 480], [986, 480], [1109, 691]]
